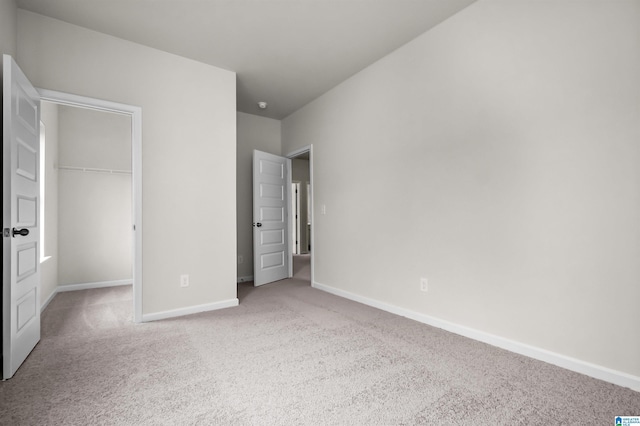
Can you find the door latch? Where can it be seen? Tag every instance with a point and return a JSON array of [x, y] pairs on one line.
[[23, 232]]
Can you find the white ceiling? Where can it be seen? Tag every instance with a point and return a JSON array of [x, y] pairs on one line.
[[285, 52]]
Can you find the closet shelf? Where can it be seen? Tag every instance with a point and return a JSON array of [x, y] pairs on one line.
[[95, 170]]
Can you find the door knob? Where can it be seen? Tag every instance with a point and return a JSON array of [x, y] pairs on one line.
[[24, 232], [257, 224]]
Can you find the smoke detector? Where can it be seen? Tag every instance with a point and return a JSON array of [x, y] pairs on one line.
[[262, 105]]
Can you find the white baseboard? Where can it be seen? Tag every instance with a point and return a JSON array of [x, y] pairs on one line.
[[190, 310], [596, 371], [83, 286], [245, 279], [97, 284]]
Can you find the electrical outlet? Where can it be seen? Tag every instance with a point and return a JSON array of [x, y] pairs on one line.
[[184, 280], [240, 259], [424, 284]]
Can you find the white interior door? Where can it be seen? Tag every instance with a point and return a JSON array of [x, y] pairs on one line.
[[271, 182], [20, 218]]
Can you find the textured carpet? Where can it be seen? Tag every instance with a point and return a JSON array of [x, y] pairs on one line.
[[289, 354]]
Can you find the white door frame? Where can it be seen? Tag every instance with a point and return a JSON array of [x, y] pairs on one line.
[[135, 113], [291, 155]]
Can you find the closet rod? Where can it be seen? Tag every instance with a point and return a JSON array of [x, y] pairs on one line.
[[96, 170]]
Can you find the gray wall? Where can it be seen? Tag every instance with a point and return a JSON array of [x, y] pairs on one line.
[[95, 216], [8, 18], [188, 149], [263, 134], [497, 156]]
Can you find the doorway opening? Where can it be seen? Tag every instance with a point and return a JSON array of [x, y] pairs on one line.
[[99, 190], [301, 214], [295, 216]]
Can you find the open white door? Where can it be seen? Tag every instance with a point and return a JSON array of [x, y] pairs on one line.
[[271, 182], [20, 218]]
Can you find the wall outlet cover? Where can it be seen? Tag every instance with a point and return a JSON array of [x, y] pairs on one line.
[[424, 284], [184, 280]]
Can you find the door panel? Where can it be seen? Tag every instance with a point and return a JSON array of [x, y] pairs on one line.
[[20, 212], [270, 219]]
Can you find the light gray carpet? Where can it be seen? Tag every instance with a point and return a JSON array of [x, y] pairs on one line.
[[288, 355]]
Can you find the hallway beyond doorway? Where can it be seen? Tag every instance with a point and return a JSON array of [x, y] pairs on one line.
[[302, 267]]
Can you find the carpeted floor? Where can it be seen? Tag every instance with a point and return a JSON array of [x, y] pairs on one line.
[[289, 354]]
